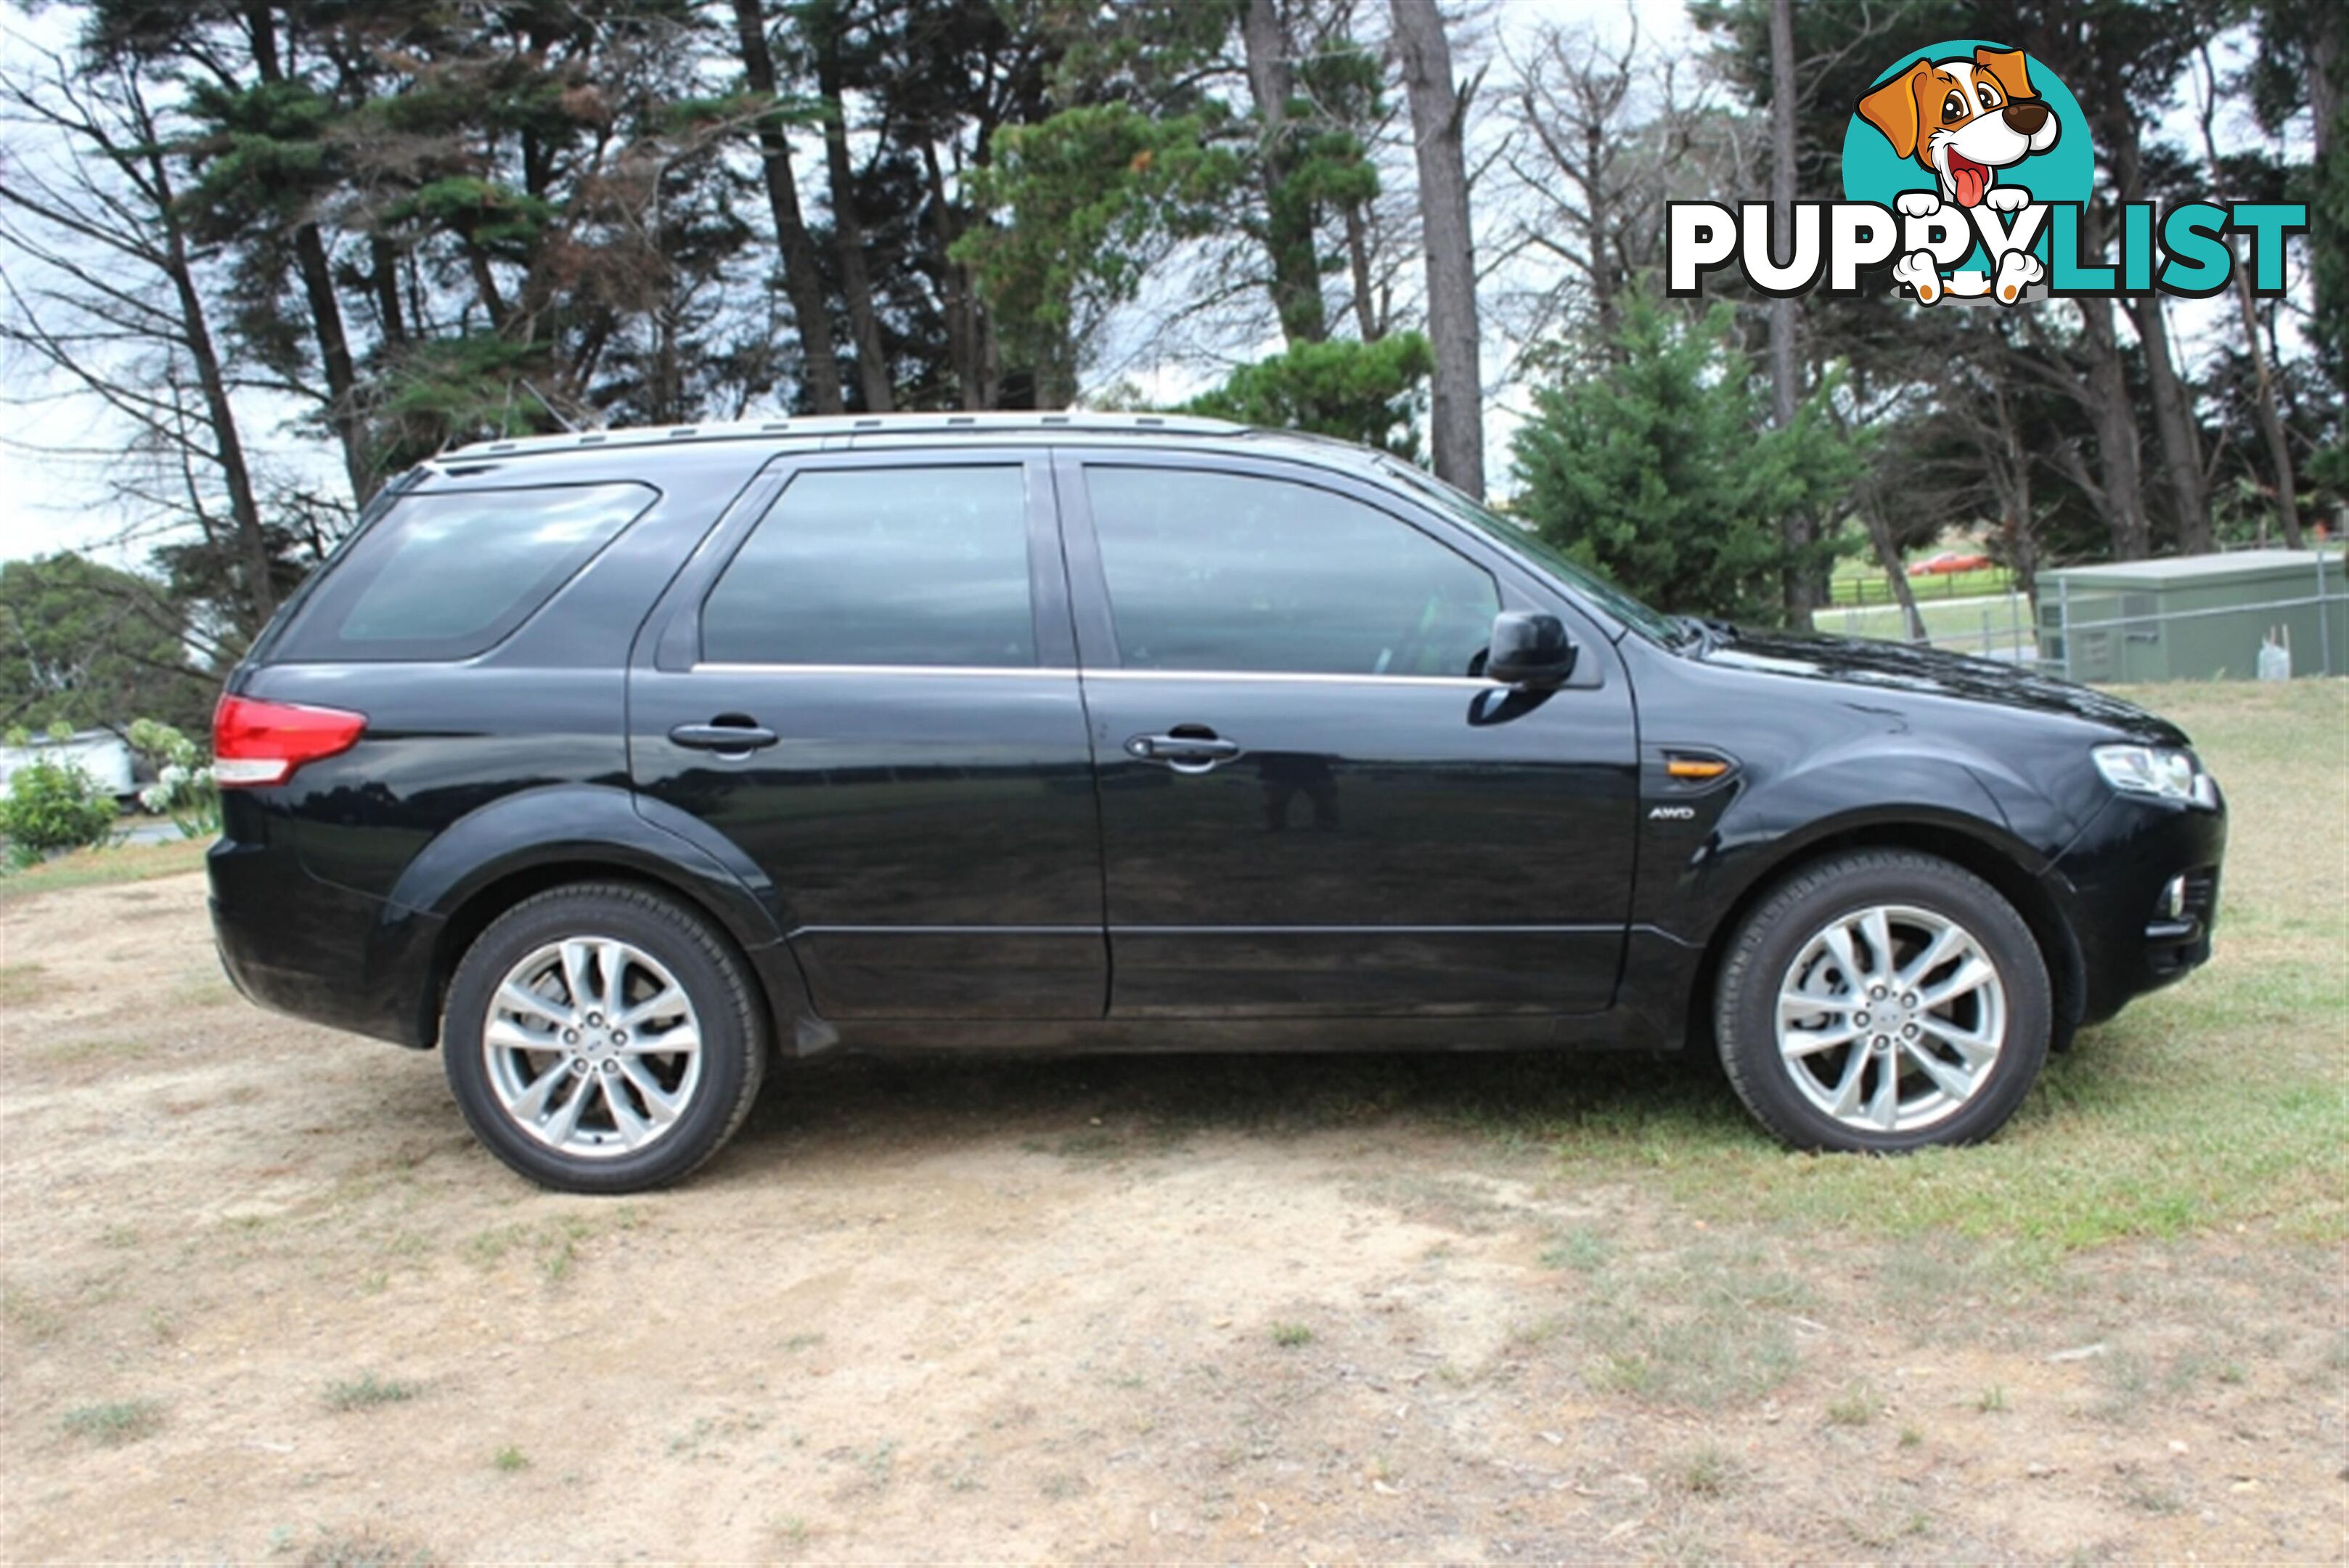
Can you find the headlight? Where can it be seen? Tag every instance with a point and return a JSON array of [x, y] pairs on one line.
[[2160, 771]]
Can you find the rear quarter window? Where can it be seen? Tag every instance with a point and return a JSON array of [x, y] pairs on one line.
[[447, 573]]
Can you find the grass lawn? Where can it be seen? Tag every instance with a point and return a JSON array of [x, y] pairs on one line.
[[2219, 1102], [92, 868], [1858, 580], [1994, 625]]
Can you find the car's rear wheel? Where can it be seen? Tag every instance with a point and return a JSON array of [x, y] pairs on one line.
[[602, 1038], [1882, 1001]]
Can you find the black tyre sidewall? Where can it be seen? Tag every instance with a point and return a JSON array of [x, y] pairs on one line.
[[733, 1042], [1757, 959]]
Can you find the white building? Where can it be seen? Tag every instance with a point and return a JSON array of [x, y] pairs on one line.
[[104, 755]]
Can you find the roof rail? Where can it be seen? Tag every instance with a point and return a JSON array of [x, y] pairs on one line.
[[824, 425]]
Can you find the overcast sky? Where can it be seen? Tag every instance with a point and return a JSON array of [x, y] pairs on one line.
[[53, 496]]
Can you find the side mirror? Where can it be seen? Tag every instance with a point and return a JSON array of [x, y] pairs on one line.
[[1529, 650]]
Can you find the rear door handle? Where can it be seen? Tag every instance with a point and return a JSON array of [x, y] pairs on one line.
[[741, 739], [1184, 753]]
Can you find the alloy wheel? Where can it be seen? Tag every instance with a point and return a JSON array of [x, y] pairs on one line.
[[593, 1047], [1891, 1018]]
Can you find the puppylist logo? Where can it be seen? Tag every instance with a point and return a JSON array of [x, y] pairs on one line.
[[1965, 170]]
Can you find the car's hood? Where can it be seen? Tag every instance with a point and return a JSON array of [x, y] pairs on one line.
[[1897, 666]]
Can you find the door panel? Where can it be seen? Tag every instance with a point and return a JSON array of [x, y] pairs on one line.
[[933, 835], [929, 822], [1381, 843], [1377, 846]]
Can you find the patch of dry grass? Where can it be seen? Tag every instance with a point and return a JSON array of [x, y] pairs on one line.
[[21, 983], [367, 1392], [118, 1422], [364, 1549]]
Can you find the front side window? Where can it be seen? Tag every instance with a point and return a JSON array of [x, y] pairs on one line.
[[881, 565], [1515, 535], [445, 574], [1233, 572]]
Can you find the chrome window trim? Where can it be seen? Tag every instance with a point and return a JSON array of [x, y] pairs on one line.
[[1287, 677], [1468, 682], [720, 667]]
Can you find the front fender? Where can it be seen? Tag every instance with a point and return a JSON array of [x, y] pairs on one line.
[[1758, 824]]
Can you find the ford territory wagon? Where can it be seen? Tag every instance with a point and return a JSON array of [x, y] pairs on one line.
[[612, 764]]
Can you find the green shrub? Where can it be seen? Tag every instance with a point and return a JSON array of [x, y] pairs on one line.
[[53, 805], [184, 787]]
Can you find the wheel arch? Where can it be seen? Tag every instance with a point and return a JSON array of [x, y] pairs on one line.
[[768, 967], [540, 839], [1977, 852]]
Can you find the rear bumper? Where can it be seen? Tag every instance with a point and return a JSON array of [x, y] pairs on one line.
[[297, 945], [2115, 878]]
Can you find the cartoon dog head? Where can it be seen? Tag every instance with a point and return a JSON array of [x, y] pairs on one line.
[[1963, 119]]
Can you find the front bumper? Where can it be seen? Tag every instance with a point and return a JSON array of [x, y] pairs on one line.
[[2116, 879]]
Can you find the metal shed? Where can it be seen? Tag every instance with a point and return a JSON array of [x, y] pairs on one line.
[[2194, 618]]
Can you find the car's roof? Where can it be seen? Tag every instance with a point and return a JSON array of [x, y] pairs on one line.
[[943, 428]]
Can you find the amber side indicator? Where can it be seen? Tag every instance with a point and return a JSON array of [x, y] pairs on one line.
[[1694, 767]]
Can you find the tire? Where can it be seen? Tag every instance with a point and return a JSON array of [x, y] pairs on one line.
[[1964, 1012], [544, 1063]]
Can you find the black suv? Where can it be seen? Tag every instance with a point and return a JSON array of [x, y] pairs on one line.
[[612, 762]]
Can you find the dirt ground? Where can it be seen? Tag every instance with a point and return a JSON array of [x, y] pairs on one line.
[[265, 1300]]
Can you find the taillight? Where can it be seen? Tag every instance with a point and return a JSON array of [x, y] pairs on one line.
[[263, 743]]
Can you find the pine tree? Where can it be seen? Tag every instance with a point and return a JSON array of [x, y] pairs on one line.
[[1668, 473]]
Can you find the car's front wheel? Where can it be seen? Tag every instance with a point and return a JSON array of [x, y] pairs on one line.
[[601, 1038], [1882, 1001]]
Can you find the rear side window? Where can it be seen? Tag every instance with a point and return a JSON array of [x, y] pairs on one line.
[[881, 565], [445, 574]]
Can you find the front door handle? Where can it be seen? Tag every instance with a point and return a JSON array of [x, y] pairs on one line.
[[740, 736], [1184, 754]]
